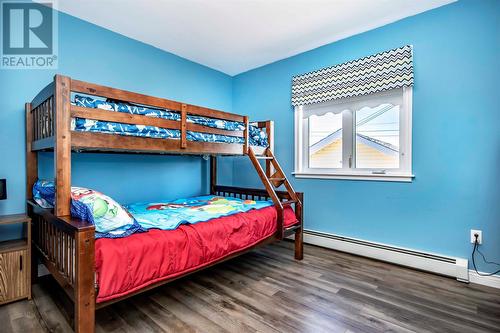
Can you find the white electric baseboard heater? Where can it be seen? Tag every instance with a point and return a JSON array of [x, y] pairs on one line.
[[439, 264]]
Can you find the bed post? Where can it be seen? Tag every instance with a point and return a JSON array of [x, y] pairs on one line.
[[84, 282], [270, 134], [270, 141], [31, 177], [213, 174], [62, 150], [299, 243], [245, 135], [31, 156]]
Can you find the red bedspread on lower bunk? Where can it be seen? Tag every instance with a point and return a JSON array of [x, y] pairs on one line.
[[125, 265]]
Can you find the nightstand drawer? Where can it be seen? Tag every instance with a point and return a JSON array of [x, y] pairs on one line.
[[13, 275]]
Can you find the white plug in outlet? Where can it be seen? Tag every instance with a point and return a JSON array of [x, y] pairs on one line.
[[479, 234]]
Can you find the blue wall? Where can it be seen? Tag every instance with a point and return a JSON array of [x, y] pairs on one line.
[[94, 54], [456, 142], [456, 134]]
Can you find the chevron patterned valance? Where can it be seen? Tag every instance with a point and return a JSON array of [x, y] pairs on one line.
[[383, 71]]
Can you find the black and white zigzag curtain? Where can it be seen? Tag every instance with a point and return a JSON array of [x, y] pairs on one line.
[[383, 71]]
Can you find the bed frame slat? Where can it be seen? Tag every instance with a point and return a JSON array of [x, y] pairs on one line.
[[123, 95], [102, 142]]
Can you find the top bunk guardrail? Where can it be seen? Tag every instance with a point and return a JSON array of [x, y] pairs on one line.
[[48, 123]]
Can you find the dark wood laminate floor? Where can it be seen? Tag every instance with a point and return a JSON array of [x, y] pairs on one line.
[[267, 291]]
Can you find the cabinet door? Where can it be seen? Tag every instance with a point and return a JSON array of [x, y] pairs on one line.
[[13, 275]]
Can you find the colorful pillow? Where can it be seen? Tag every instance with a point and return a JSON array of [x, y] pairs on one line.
[[111, 220]]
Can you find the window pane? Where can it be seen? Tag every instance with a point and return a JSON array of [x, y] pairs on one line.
[[325, 141], [377, 137]]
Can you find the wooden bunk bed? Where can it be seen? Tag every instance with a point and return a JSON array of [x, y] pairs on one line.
[[65, 245]]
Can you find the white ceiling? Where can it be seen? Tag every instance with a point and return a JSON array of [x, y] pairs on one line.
[[234, 36]]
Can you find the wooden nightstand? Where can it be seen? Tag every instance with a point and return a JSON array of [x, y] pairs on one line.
[[15, 262]]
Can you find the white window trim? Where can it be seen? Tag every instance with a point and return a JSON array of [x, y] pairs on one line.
[[394, 176]]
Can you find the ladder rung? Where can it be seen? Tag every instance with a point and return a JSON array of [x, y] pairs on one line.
[[288, 202], [277, 179], [263, 157]]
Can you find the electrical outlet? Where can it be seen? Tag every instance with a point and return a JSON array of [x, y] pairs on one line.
[[479, 237]]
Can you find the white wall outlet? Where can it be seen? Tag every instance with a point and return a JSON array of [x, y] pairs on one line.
[[479, 238]]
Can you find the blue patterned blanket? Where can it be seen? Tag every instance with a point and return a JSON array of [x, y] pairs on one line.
[[169, 215], [257, 137]]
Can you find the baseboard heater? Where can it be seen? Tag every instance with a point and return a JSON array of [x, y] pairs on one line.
[[443, 265]]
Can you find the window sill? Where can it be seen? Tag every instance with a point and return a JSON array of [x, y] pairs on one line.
[[357, 176]]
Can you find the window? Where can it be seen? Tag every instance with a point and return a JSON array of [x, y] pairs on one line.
[[366, 137]]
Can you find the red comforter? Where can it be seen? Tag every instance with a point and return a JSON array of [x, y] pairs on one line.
[[125, 265]]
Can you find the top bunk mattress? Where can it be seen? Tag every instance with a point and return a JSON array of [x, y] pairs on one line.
[[257, 137]]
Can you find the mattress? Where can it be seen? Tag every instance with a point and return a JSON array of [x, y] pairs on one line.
[[125, 265], [257, 137]]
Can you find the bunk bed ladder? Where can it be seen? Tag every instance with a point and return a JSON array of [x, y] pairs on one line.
[[273, 177]]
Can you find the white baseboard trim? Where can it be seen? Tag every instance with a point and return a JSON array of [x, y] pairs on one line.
[[490, 281], [435, 263]]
